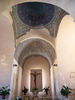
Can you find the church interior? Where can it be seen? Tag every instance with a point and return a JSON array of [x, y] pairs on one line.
[[37, 45]]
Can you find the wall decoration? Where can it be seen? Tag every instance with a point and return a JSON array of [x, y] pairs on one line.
[[3, 61]]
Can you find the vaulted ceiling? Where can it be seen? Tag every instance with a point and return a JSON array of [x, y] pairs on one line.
[[36, 15], [35, 47]]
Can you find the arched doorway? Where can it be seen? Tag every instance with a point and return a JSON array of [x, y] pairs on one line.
[[33, 47], [36, 63]]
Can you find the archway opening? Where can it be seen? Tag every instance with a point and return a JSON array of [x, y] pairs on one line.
[[36, 62]]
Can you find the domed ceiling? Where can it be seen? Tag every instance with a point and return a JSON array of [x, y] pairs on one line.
[[36, 15]]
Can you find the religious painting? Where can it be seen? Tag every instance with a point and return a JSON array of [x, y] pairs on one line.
[[36, 79]]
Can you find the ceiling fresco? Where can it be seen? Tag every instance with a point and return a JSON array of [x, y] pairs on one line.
[[36, 15], [35, 46]]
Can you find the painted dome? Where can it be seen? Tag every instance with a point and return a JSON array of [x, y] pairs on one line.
[[35, 14]]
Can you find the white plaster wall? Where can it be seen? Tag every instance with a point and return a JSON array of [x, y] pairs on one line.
[[37, 33], [37, 62], [6, 50], [65, 49]]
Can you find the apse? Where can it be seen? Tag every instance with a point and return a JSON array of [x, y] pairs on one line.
[[36, 63]]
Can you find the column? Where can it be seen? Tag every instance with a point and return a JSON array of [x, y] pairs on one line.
[[13, 83]]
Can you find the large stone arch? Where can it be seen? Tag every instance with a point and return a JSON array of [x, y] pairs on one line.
[[34, 46]]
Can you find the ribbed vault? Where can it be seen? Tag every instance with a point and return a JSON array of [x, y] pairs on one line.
[[36, 47]]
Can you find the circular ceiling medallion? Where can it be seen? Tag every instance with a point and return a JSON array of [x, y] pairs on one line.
[[35, 14]]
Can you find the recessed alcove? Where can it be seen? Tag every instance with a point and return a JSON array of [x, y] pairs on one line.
[[36, 62]]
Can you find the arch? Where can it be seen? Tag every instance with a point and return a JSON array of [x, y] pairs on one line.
[[35, 47], [36, 63]]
